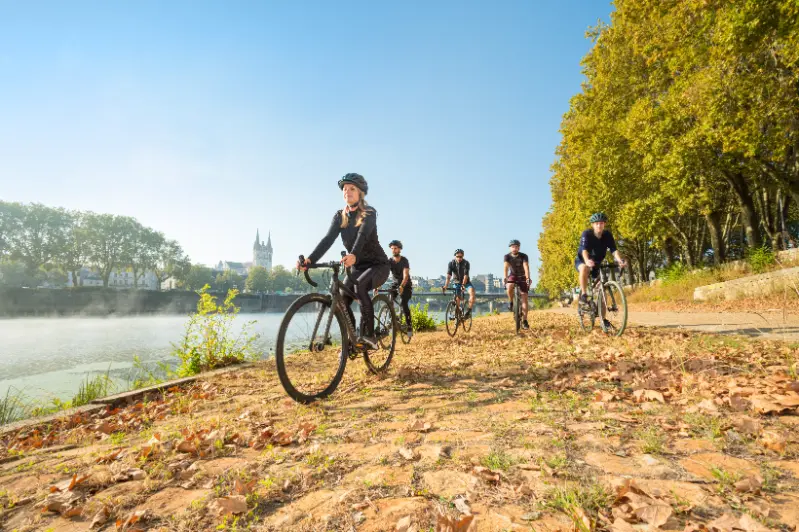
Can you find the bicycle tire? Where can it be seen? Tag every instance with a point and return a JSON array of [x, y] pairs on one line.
[[517, 310], [619, 300], [280, 355], [586, 318], [451, 318], [466, 323], [403, 329], [390, 338]]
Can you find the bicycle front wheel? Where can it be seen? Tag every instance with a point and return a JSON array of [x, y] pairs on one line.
[[615, 309], [386, 331], [310, 357], [517, 310], [451, 318], [586, 316]]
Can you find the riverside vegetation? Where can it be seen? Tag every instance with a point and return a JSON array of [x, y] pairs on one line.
[[550, 430]]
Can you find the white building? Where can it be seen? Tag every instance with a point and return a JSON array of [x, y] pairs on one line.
[[120, 278]]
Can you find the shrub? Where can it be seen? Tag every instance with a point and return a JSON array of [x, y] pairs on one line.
[[760, 259], [210, 341], [421, 318], [673, 273]]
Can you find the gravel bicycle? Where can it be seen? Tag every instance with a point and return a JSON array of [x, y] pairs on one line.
[[403, 328], [318, 335], [456, 311], [606, 301]]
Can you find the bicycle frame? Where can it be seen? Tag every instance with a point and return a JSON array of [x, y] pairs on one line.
[[336, 287]]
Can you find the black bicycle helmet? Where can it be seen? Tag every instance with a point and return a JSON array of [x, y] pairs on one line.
[[514, 242], [598, 217], [458, 251], [395, 243], [355, 179]]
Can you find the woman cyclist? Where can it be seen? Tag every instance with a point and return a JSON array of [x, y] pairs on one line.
[[357, 225]]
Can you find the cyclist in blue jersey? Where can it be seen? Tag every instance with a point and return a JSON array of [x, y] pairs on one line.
[[594, 245], [459, 269]]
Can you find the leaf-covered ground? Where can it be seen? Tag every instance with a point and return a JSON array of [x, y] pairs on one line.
[[553, 430]]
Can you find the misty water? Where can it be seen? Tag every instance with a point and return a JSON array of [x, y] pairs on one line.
[[48, 358]]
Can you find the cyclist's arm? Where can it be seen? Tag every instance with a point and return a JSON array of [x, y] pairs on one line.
[[332, 233], [406, 277], [466, 274], [527, 270], [618, 257], [366, 228], [586, 256], [446, 283], [505, 267]]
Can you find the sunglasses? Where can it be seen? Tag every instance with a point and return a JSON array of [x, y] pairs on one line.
[[458, 256]]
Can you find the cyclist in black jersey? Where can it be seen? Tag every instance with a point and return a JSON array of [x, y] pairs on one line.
[[357, 225], [519, 266], [459, 269], [401, 271]]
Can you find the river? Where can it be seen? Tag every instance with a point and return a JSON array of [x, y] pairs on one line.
[[47, 358]]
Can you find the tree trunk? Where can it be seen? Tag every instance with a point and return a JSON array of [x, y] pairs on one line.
[[713, 220], [749, 218]]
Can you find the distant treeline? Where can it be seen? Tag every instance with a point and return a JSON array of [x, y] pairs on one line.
[[38, 242]]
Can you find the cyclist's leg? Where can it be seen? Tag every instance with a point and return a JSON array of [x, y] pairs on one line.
[[471, 296], [348, 300], [523, 288], [510, 286], [583, 269], [406, 309], [369, 279]]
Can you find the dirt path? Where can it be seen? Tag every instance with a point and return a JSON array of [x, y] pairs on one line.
[[762, 324], [551, 430]]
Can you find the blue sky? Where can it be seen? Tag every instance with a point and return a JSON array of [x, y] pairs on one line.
[[207, 120]]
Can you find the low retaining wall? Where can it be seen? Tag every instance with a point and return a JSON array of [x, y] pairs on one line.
[[751, 286]]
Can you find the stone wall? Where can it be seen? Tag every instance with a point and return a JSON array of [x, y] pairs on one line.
[[751, 286], [91, 301]]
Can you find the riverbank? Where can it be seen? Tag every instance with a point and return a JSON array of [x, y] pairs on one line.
[[670, 429]]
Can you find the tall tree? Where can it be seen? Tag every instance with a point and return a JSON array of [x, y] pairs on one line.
[[170, 261], [197, 277], [257, 279], [39, 237], [108, 241], [75, 251]]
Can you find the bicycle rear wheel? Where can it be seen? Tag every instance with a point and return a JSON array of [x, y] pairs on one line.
[[451, 318], [466, 323], [310, 363], [586, 316], [615, 311], [405, 328], [377, 360]]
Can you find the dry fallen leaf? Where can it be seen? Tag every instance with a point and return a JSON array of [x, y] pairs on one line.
[[750, 484], [407, 453], [486, 474], [774, 440], [234, 504], [132, 519], [240, 488], [764, 405], [100, 518], [445, 523], [420, 426], [648, 395], [654, 514]]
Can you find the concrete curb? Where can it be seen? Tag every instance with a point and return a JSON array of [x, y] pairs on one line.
[[127, 397]]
